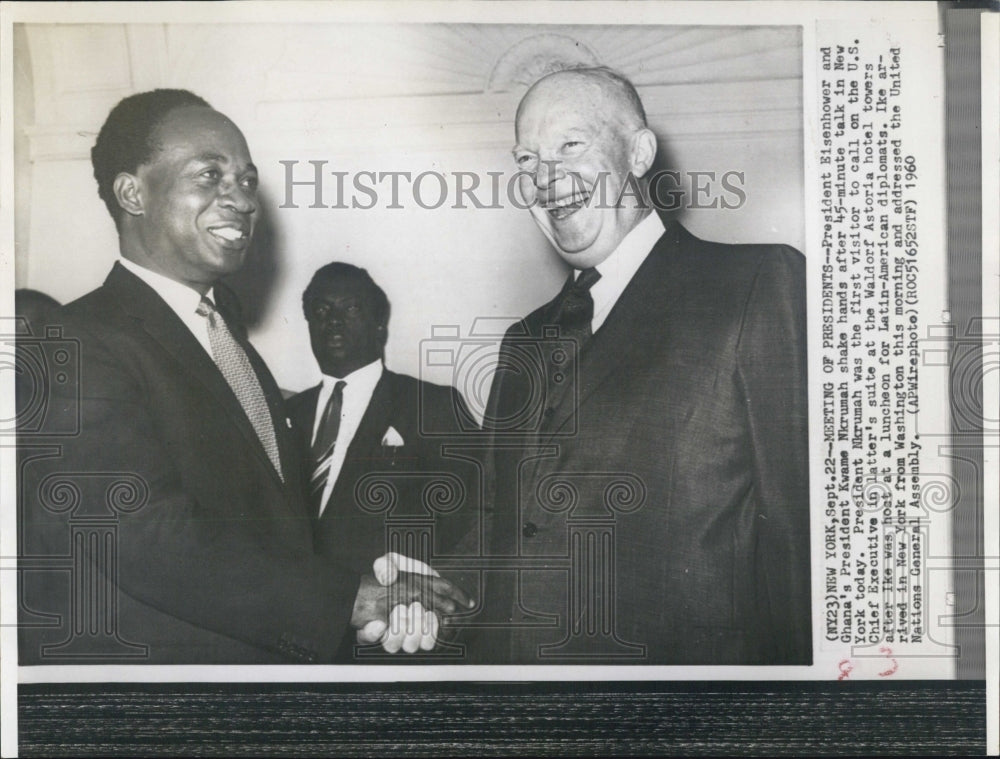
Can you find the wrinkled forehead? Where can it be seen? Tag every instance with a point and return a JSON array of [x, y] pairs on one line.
[[565, 101]]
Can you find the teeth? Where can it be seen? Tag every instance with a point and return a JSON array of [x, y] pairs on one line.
[[228, 233], [569, 200], [562, 213]]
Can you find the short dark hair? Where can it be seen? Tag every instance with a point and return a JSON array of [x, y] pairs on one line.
[[125, 142], [339, 271]]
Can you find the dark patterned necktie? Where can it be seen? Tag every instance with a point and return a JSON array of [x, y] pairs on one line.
[[325, 442], [576, 309], [573, 314], [235, 366]]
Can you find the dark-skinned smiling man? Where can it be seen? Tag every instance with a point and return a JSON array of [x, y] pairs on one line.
[[659, 502], [213, 559]]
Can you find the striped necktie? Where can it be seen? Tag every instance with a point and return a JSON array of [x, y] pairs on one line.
[[235, 366], [325, 442]]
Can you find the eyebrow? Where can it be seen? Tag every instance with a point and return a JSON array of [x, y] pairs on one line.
[[572, 131], [216, 158], [328, 300]]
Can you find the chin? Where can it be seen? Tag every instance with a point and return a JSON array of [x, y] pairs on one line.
[[579, 250], [230, 264], [577, 239], [572, 244]]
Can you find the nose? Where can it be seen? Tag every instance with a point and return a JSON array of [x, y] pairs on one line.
[[236, 197], [334, 316], [548, 172]]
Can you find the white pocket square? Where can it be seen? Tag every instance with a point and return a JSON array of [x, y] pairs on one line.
[[392, 438]]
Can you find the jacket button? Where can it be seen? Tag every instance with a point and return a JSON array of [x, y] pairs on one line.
[[529, 530]]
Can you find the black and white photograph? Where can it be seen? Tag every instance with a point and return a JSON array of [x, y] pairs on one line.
[[350, 344]]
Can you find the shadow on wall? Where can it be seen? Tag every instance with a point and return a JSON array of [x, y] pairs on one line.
[[670, 200], [254, 284]]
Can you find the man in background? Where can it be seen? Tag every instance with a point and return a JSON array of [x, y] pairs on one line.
[[369, 432], [183, 447], [677, 424]]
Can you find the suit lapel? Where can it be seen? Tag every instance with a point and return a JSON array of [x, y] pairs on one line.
[[302, 411], [639, 320], [159, 321]]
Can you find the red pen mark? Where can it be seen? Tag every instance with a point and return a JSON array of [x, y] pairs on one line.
[[845, 669], [895, 664]]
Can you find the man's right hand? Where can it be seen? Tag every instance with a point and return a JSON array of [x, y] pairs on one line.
[[419, 594], [411, 628]]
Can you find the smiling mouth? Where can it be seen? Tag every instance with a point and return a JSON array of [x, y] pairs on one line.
[[230, 234], [563, 208]]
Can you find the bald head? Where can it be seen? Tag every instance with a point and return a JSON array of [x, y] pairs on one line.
[[583, 150], [600, 86]]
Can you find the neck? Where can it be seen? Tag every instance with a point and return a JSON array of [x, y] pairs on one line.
[[134, 251], [639, 215], [341, 370]]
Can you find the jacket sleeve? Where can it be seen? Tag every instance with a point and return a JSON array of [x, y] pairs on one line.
[[772, 367], [202, 563]]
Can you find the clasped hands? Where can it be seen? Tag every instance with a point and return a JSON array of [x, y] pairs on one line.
[[398, 605]]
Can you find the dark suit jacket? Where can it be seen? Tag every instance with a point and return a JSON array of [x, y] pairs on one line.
[[425, 486], [212, 551], [693, 396]]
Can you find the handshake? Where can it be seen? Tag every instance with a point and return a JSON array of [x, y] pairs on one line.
[[398, 606]]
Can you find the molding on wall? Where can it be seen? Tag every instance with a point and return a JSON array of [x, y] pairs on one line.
[[682, 113]]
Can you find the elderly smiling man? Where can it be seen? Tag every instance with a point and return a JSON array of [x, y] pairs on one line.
[[183, 446], [678, 426]]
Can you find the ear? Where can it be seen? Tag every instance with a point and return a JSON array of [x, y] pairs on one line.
[[128, 194], [643, 151]]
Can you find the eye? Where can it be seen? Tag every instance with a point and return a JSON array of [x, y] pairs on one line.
[[211, 174], [524, 160], [572, 145], [250, 182]]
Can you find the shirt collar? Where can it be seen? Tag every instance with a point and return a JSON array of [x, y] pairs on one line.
[[364, 378], [181, 298], [618, 269]]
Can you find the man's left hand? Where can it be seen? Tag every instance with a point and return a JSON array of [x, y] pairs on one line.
[[410, 627]]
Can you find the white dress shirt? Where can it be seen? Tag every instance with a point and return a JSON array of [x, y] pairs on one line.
[[618, 269], [182, 300], [357, 395]]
